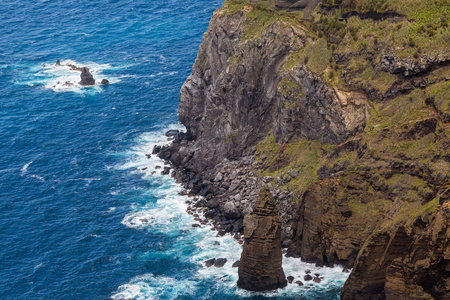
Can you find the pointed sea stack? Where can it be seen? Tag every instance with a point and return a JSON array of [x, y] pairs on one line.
[[260, 265]]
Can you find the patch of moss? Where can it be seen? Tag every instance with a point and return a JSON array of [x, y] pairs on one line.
[[292, 93], [410, 211]]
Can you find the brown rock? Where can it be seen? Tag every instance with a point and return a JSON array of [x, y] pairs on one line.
[[260, 267], [412, 263]]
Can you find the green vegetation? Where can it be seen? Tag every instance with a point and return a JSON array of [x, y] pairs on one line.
[[317, 56], [300, 156], [292, 93]]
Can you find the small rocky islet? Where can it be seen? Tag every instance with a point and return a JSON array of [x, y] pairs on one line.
[[87, 79]]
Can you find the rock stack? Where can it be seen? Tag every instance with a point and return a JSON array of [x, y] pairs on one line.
[[260, 265], [86, 77]]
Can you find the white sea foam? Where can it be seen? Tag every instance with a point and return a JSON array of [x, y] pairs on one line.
[[149, 286], [85, 179], [168, 216], [25, 167], [38, 177]]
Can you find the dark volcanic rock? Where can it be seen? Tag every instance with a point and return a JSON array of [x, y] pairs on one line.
[[210, 262], [156, 149], [228, 105], [166, 171], [220, 262], [172, 132], [86, 77], [307, 278], [260, 266], [235, 264], [290, 279], [105, 81]]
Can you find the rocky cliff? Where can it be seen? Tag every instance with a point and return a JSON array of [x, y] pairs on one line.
[[343, 111]]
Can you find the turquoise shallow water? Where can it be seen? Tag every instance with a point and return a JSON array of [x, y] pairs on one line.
[[73, 192]]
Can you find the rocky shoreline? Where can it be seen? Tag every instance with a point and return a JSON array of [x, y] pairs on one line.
[[225, 194]]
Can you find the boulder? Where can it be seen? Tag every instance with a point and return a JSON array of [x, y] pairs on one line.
[[307, 277], [260, 267], [104, 81], [235, 264], [172, 132], [166, 171], [290, 279], [230, 211], [210, 262], [220, 262], [86, 77], [213, 203]]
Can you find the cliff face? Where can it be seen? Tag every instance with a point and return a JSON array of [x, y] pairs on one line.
[[240, 90], [345, 116]]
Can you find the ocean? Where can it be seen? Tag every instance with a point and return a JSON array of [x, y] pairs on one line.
[[84, 213]]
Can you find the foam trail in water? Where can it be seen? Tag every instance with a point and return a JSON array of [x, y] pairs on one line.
[[167, 216], [25, 167]]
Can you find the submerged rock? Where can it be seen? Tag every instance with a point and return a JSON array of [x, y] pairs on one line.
[[220, 262], [86, 77], [260, 267]]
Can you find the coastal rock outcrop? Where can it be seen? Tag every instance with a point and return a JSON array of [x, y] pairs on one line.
[[86, 77], [260, 267]]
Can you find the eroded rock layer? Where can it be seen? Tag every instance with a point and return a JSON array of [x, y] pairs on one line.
[[260, 267]]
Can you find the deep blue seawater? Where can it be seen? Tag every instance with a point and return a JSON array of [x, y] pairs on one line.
[[82, 213]]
